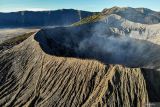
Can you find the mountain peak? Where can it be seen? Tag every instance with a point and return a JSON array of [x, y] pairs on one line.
[[114, 9], [140, 15]]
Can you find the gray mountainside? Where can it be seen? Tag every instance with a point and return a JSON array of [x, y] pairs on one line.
[[140, 15], [107, 59]]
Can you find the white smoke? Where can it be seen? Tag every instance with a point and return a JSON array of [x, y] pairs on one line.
[[99, 42], [116, 49], [79, 13]]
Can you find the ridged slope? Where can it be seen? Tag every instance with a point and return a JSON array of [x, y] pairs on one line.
[[30, 77], [116, 25], [140, 15]]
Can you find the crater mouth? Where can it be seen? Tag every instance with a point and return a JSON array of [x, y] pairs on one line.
[[79, 43]]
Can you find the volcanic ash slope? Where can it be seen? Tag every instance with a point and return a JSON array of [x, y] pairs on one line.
[[30, 77]]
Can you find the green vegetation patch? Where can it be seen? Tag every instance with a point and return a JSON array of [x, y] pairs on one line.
[[90, 19]]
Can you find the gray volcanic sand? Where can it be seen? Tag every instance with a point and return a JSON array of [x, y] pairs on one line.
[[8, 33]]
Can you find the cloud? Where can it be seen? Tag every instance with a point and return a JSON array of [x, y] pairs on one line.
[[36, 9], [22, 9]]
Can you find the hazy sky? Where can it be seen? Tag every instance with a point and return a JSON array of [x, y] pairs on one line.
[[89, 5]]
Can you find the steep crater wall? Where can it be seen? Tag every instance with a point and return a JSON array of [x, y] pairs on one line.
[[84, 42], [68, 42]]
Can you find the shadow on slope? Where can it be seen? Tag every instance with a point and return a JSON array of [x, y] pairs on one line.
[[153, 85]]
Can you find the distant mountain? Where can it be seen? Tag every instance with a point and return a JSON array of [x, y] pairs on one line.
[[140, 15], [109, 23], [42, 18], [69, 16], [137, 15]]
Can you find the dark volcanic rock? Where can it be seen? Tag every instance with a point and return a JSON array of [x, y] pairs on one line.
[[152, 82]]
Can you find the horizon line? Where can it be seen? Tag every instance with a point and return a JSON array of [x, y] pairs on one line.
[[43, 9]]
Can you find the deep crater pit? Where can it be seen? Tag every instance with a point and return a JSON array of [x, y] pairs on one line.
[[83, 42]]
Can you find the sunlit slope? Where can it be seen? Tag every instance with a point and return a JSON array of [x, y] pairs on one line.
[[116, 25], [138, 15], [31, 77]]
